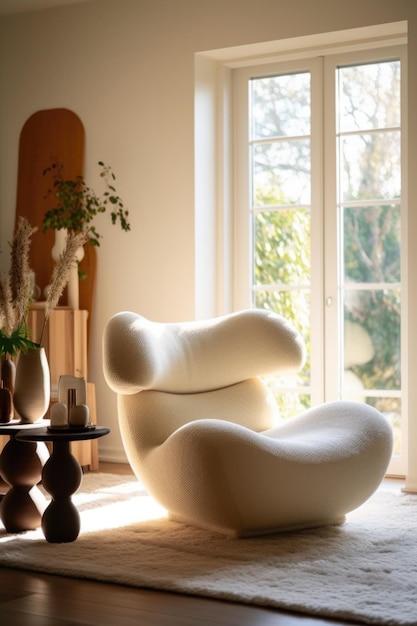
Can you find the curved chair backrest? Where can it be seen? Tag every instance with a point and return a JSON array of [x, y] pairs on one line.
[[197, 356], [181, 372]]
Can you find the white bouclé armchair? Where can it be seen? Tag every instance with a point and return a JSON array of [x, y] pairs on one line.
[[202, 431]]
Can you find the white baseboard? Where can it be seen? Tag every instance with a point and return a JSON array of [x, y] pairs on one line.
[[112, 455]]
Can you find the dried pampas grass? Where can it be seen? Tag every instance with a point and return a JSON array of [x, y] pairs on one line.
[[62, 272], [16, 287]]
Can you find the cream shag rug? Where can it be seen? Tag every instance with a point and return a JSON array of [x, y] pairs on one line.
[[365, 570]]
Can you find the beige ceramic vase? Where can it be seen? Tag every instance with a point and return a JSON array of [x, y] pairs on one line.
[[32, 386]]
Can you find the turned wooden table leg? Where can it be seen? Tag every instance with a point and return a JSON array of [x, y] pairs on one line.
[[61, 477], [21, 465]]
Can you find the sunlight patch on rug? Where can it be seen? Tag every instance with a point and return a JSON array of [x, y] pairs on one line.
[[116, 506]]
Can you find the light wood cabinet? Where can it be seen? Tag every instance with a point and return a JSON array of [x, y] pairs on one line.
[[65, 343], [64, 340]]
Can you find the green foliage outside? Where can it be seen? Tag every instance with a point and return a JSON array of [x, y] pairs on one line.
[[282, 253], [369, 220]]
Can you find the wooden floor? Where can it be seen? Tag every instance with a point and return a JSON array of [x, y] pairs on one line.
[[31, 599]]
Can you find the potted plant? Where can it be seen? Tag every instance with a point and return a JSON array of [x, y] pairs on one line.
[[78, 205], [14, 304], [15, 300], [76, 208]]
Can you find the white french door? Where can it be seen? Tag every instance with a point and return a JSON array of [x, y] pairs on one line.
[[319, 222]]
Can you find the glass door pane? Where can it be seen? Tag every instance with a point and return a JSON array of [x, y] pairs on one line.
[[369, 216], [280, 175]]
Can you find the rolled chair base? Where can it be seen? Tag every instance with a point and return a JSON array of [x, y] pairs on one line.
[[307, 472]]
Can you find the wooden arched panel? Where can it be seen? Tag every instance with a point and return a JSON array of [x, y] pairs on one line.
[[47, 136]]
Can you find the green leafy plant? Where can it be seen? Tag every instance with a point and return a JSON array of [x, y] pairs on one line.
[[17, 341], [78, 205]]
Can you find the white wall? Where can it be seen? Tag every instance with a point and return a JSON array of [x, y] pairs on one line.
[[126, 67]]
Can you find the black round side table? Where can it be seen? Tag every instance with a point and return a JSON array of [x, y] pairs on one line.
[[61, 477]]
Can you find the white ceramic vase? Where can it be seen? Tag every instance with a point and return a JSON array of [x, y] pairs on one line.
[[32, 390], [73, 287]]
